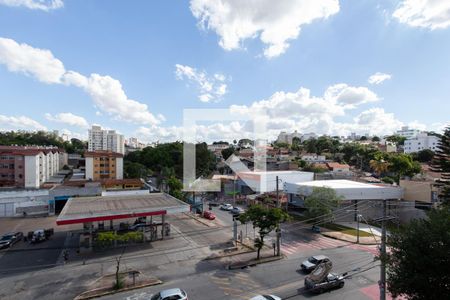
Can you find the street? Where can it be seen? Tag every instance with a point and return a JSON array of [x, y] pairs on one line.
[[180, 261]]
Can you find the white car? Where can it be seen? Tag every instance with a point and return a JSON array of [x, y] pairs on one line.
[[266, 297], [226, 206], [170, 294]]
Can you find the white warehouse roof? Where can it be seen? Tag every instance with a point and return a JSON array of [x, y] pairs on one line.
[[265, 181], [350, 190]]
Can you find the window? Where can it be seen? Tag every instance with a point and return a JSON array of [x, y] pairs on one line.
[[20, 176]]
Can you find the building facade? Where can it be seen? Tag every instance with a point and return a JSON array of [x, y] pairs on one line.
[[102, 165], [28, 166], [105, 140], [407, 132], [420, 142]]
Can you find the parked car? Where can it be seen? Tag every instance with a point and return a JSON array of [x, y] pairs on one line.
[[226, 206], [236, 211], [331, 281], [213, 203], [209, 215], [170, 294], [40, 235], [266, 297], [10, 239], [311, 263]]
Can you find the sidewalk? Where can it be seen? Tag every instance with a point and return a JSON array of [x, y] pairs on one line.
[[363, 227], [350, 238], [249, 259]]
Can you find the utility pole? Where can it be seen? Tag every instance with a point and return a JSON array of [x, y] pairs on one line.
[[357, 228], [383, 255], [278, 199], [278, 231]]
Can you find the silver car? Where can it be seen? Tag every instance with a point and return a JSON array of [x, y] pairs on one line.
[[170, 294]]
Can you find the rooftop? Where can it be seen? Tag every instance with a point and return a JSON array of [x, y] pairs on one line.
[[102, 208], [339, 184]]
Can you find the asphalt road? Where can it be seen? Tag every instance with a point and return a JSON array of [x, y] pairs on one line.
[[281, 278], [25, 257]]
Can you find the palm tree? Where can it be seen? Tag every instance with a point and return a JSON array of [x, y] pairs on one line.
[[379, 165]]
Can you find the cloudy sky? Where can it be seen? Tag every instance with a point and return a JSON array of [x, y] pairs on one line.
[[324, 66]]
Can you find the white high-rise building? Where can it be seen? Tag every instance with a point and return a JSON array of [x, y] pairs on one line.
[[407, 132], [107, 140], [420, 142], [287, 138]]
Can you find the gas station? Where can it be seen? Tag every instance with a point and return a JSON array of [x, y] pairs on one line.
[[113, 213]]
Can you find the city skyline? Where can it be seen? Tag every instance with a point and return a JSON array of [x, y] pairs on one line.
[[314, 72]]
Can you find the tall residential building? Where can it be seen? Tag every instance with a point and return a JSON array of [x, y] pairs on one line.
[[287, 138], [105, 140], [103, 165], [420, 142], [407, 132], [29, 167]]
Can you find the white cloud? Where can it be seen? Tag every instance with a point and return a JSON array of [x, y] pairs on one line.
[[38, 63], [19, 122], [432, 14], [45, 5], [274, 22], [106, 92], [69, 119], [71, 134], [348, 96], [378, 78], [210, 88], [376, 121]]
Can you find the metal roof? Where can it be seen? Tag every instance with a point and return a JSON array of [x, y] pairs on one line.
[[103, 208]]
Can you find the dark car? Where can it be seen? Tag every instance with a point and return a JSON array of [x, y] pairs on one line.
[[311, 263], [332, 281], [10, 239]]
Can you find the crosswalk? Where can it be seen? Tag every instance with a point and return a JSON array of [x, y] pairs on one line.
[[300, 245]]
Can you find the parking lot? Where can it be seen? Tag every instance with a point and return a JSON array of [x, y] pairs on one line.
[[24, 256]]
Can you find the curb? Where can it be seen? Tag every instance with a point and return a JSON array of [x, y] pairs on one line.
[[228, 255], [112, 292], [198, 220], [255, 262], [345, 240]]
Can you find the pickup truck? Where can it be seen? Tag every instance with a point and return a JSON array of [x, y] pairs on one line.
[[331, 281]]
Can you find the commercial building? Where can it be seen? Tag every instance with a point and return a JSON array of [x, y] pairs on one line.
[[262, 182], [29, 166], [350, 191], [420, 142], [103, 165], [105, 140], [313, 157]]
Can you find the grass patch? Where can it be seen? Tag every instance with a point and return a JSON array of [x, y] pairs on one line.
[[346, 230]]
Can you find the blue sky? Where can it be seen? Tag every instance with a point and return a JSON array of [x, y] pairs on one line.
[[307, 75]]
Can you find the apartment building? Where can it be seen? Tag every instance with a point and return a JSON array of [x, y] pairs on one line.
[[287, 138], [407, 132], [420, 142], [105, 140], [29, 166], [102, 165]]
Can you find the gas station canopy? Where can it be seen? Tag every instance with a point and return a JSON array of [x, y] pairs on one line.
[[105, 208]]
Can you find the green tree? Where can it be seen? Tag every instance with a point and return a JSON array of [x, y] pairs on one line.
[[175, 187], [441, 164], [425, 155], [418, 264], [321, 202], [265, 219], [403, 165], [379, 165], [375, 139], [311, 146], [397, 139], [363, 138], [135, 170], [227, 152]]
